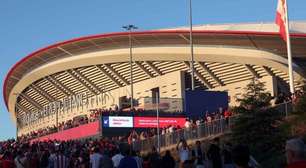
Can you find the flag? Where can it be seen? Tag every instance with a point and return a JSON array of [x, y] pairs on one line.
[[282, 21], [281, 18]]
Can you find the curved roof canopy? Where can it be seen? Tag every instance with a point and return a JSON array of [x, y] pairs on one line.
[[238, 38]]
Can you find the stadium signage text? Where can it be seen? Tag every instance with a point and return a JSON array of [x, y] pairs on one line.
[[141, 122], [120, 122], [65, 105]]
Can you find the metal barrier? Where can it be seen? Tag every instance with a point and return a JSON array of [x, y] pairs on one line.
[[204, 130], [284, 108], [207, 129]]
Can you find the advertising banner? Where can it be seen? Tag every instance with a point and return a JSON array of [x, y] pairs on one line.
[[82, 131], [122, 122], [151, 122]]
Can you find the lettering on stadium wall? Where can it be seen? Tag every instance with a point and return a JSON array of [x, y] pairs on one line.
[[65, 105]]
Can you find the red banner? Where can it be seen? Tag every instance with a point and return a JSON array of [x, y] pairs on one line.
[[151, 122], [82, 131]]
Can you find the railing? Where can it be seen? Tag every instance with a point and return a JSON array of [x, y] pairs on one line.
[[284, 108], [207, 129], [204, 130]]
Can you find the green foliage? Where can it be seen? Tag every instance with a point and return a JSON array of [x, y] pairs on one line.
[[300, 107], [255, 96], [259, 125]]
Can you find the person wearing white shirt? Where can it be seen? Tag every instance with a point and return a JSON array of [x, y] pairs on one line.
[[95, 158], [187, 124], [183, 151], [171, 129], [187, 129], [138, 159], [117, 158]]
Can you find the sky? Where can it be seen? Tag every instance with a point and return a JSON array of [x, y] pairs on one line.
[[26, 26]]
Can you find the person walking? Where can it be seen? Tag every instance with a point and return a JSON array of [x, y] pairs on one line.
[[183, 151], [154, 159], [167, 160], [227, 156], [214, 154], [295, 153], [241, 156], [117, 157], [198, 155], [95, 158], [20, 160], [128, 161]]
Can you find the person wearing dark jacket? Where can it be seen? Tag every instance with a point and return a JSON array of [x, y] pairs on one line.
[[198, 154], [214, 154], [241, 156], [128, 161], [167, 160], [154, 159]]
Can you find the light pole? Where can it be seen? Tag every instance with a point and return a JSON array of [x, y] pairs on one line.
[[191, 45], [157, 117], [130, 28], [56, 112]]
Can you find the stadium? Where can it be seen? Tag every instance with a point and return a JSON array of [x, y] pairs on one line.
[[75, 77]]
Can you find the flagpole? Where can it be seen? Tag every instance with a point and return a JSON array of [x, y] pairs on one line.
[[291, 79], [191, 46]]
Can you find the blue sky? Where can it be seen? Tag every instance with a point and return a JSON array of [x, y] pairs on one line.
[[26, 26]]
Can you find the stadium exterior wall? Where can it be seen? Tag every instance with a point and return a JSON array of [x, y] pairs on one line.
[[170, 86], [161, 53]]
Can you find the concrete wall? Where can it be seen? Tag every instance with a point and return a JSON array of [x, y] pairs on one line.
[[171, 86], [236, 90]]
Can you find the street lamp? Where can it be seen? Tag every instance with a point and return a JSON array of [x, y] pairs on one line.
[[130, 28], [158, 126], [191, 45]]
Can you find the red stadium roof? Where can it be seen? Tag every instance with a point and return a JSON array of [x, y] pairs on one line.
[[158, 33]]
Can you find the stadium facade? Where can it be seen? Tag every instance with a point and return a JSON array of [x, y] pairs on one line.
[[71, 78]]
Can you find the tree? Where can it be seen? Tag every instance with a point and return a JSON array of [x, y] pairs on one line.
[[300, 106], [297, 121], [258, 124]]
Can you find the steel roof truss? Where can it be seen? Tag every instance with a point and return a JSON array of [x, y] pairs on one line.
[[22, 108], [185, 38], [65, 51], [82, 80], [210, 73], [112, 70], [252, 71], [108, 75], [154, 68], [205, 81], [43, 93], [58, 85], [269, 71], [31, 101], [144, 69]]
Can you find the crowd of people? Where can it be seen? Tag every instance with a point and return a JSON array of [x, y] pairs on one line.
[[110, 153], [75, 122], [96, 114], [284, 98], [189, 124]]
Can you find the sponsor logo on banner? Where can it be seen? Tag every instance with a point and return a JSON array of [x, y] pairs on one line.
[[105, 122]]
